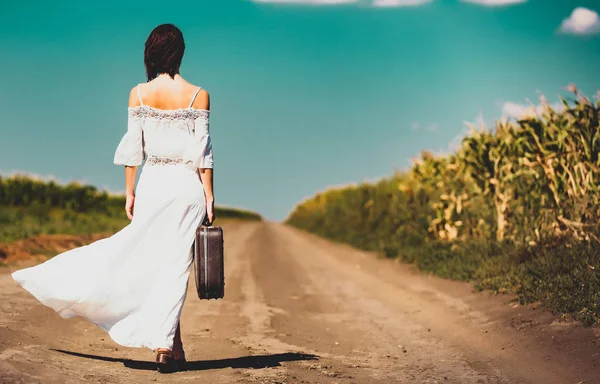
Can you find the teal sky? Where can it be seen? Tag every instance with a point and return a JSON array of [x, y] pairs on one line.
[[303, 96]]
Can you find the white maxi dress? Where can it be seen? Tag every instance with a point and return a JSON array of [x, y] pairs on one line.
[[133, 283]]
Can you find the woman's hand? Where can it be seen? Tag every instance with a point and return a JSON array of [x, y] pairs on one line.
[[210, 211], [206, 177], [129, 205]]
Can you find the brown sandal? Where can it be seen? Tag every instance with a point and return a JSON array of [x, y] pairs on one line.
[[165, 362]]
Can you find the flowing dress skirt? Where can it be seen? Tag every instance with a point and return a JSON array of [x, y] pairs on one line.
[[132, 284]]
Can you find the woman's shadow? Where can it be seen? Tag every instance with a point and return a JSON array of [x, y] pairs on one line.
[[255, 362]]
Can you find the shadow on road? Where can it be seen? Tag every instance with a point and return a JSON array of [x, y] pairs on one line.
[[255, 362]]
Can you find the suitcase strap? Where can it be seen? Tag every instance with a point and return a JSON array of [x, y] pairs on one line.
[[206, 258]]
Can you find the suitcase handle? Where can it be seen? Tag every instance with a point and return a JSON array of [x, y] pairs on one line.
[[205, 222]]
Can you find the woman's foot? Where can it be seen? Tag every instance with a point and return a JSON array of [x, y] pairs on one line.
[[179, 358], [178, 352], [164, 361]]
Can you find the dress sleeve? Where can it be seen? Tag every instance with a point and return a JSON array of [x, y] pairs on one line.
[[131, 148], [199, 152]]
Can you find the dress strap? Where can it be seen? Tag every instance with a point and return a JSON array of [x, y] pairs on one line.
[[139, 96], [194, 98]]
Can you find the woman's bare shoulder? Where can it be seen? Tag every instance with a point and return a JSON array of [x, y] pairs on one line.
[[202, 101], [134, 98]]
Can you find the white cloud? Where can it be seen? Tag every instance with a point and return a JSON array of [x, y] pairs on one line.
[[495, 3], [456, 143], [582, 21], [520, 111], [375, 3], [424, 127], [308, 2], [478, 121], [399, 3]]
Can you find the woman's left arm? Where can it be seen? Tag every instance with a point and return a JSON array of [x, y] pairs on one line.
[[130, 153], [130, 174]]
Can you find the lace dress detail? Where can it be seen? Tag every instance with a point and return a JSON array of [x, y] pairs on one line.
[[178, 136], [155, 160], [146, 112]]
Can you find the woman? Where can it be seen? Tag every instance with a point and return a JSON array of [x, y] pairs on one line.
[[133, 284]]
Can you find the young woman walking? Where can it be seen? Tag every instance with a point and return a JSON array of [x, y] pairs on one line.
[[133, 284]]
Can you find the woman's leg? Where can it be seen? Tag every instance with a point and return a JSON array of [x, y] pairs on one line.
[[178, 353]]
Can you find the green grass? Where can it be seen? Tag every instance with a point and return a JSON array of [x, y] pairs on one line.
[[18, 223], [235, 213], [31, 207], [563, 277]]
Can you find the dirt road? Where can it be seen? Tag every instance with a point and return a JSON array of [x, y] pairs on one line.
[[299, 309]]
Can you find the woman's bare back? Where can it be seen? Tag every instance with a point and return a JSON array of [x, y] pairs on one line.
[[166, 93]]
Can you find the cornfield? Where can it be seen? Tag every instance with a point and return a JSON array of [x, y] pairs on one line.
[[490, 211]]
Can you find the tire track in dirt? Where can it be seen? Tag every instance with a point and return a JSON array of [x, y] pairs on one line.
[[358, 337]]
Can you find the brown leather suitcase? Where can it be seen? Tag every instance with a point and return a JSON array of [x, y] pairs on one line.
[[209, 266]]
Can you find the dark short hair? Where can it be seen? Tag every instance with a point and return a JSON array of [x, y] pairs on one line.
[[164, 51]]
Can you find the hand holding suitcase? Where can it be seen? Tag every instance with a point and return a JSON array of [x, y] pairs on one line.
[[209, 268]]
